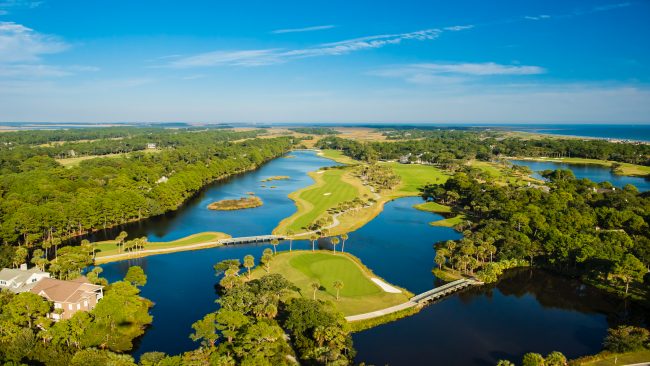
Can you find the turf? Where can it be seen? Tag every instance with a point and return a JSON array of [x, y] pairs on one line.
[[622, 359], [414, 176], [337, 155], [626, 168], [450, 222], [359, 294], [109, 247], [433, 207], [330, 189]]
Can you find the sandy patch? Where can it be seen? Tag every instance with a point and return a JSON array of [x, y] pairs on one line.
[[327, 194], [386, 287]]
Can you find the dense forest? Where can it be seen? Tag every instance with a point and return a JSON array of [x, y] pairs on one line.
[[577, 227], [315, 130], [445, 147], [43, 202]]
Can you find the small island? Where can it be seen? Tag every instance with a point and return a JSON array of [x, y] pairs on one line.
[[236, 204], [277, 177]]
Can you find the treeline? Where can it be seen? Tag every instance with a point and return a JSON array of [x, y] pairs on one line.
[[315, 130], [42, 202], [577, 227], [447, 147], [16, 147], [28, 336]]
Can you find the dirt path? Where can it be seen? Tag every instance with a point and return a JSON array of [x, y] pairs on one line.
[[382, 312]]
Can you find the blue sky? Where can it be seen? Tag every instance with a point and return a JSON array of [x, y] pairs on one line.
[[325, 61]]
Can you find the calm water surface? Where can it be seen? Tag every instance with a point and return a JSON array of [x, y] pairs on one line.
[[592, 172], [525, 312]]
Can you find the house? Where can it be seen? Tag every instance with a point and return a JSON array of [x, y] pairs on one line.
[[69, 296], [151, 145], [20, 279]]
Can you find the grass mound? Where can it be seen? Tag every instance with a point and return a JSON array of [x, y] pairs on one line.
[[277, 177], [236, 204]]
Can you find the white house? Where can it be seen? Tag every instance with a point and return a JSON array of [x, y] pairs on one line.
[[20, 279]]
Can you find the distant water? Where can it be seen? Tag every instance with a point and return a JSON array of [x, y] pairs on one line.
[[605, 131]]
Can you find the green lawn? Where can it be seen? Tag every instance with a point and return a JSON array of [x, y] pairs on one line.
[[359, 294], [621, 359], [329, 190], [415, 176], [450, 222], [433, 207], [337, 155], [109, 247]]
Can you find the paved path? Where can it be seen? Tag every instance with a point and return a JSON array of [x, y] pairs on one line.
[[382, 312]]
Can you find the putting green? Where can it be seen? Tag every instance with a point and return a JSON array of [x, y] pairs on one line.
[[359, 293]]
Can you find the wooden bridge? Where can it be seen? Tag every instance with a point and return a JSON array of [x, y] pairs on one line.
[[444, 290], [250, 239]]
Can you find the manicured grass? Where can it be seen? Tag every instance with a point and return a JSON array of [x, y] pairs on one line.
[[337, 156], [330, 189], [450, 222], [433, 207], [359, 294], [621, 359], [109, 247], [72, 162], [414, 176]]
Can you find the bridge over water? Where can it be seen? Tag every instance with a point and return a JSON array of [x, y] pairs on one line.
[[250, 239]]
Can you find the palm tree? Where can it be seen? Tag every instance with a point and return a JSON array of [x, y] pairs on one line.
[[335, 242], [440, 260], [143, 241], [249, 262], [344, 237], [313, 238], [315, 286], [290, 237], [275, 243], [338, 285], [120, 240]]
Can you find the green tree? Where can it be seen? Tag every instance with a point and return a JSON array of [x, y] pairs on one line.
[[229, 322], [335, 241], [440, 259], [505, 363], [267, 257], [26, 308], [313, 238], [625, 338], [275, 243], [205, 330], [338, 285], [629, 269], [249, 262], [532, 359], [20, 256], [344, 237], [315, 286], [136, 276], [555, 358]]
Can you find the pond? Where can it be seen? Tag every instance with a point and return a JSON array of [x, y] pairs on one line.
[[469, 328], [592, 172]]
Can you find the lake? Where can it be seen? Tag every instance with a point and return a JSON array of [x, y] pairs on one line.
[[592, 172], [471, 328]]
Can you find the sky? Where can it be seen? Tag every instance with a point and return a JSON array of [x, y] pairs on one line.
[[498, 61]]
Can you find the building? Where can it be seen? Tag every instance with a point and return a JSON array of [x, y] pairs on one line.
[[151, 145], [20, 279], [69, 296]]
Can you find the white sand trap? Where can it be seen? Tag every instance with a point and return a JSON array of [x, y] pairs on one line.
[[320, 172], [386, 287], [327, 194]]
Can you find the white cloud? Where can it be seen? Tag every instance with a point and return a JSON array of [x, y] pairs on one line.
[[611, 7], [452, 73], [305, 29], [21, 44], [537, 17], [273, 55]]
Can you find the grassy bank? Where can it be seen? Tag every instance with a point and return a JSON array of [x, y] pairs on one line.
[[434, 207], [358, 295], [450, 222], [109, 251], [613, 359], [624, 169]]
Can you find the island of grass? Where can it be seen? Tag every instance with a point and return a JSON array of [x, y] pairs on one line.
[[277, 177], [359, 294], [111, 251], [337, 185], [619, 168], [236, 204]]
